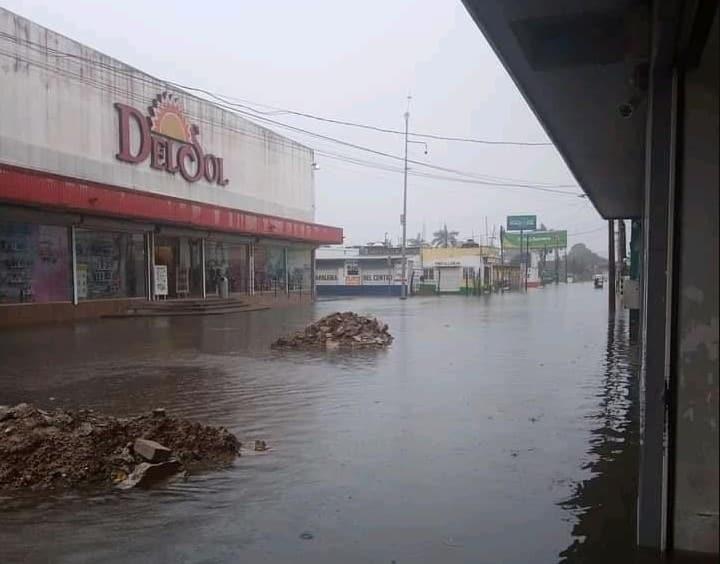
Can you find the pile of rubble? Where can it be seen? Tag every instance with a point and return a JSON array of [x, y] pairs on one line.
[[70, 449], [345, 329]]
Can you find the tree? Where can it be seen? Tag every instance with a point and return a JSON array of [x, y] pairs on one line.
[[582, 263], [417, 241], [444, 238]]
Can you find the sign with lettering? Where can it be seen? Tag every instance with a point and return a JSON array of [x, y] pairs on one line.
[[168, 139], [536, 240], [161, 280], [326, 277], [521, 222]]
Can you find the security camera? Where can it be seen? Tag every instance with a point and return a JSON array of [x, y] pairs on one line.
[[626, 109]]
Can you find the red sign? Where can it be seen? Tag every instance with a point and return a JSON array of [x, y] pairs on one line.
[[168, 139]]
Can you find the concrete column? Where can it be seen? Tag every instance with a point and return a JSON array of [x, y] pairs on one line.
[[251, 268], [202, 262], [73, 250], [694, 450], [612, 274], [656, 308], [313, 293]]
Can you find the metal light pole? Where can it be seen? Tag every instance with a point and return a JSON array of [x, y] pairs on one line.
[[403, 288], [403, 253]]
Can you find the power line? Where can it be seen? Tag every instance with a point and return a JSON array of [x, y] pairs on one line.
[[589, 231], [281, 111], [134, 74]]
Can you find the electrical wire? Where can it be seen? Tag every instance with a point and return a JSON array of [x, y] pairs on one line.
[[138, 75]]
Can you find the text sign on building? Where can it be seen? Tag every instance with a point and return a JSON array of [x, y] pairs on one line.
[[521, 222], [536, 240], [168, 139]]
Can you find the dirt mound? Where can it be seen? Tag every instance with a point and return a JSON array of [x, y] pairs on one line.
[[70, 449], [345, 329]]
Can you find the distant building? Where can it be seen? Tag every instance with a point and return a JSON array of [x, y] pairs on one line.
[[370, 270], [464, 269]]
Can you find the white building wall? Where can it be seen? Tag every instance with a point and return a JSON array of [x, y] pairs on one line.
[[57, 116]]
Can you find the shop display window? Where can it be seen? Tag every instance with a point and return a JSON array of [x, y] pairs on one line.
[[299, 268], [35, 263], [230, 260], [110, 265], [269, 268]]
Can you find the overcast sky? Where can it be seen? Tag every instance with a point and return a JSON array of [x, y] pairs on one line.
[[355, 61]]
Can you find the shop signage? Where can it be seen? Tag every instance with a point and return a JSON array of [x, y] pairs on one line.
[[536, 240], [161, 280], [326, 277], [521, 222], [168, 139], [447, 263], [377, 277], [352, 280]]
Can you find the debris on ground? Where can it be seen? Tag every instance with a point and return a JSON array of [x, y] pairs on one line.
[[260, 446], [346, 330], [62, 449]]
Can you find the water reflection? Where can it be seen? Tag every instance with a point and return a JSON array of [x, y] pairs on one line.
[[605, 503], [458, 444]]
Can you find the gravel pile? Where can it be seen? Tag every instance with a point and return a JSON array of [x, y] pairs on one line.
[[345, 329]]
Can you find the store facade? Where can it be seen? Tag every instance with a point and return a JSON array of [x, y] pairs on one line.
[[371, 270], [459, 270], [115, 187]]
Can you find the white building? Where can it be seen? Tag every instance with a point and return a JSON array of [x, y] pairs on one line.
[[116, 186], [372, 270]]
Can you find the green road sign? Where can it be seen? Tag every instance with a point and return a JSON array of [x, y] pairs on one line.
[[521, 222], [536, 240]]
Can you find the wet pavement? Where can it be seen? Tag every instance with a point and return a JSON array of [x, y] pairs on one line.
[[498, 429]]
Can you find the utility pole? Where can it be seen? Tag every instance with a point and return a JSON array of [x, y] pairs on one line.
[[403, 289], [525, 257]]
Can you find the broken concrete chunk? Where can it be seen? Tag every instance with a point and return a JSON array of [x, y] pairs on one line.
[[346, 329], [145, 474], [151, 451], [159, 412], [260, 446]]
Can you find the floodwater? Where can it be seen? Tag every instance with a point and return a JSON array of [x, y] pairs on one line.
[[498, 429]]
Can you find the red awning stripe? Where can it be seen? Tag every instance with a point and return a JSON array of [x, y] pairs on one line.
[[45, 190]]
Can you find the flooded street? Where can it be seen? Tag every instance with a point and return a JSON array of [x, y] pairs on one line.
[[495, 429]]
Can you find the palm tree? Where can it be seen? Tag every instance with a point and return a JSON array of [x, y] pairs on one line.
[[417, 241], [444, 238]]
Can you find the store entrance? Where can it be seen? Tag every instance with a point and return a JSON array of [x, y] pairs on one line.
[[182, 257]]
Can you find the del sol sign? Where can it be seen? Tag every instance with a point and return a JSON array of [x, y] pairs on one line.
[[168, 139]]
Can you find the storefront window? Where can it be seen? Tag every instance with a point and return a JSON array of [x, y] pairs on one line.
[[269, 268], [298, 264], [230, 260], [35, 263], [110, 265]]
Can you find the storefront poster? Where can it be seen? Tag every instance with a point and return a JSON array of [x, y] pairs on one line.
[[82, 281], [161, 280]]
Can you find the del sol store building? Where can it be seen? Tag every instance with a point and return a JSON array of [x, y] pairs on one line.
[[115, 187]]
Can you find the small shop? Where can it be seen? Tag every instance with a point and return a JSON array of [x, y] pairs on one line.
[[458, 270], [364, 271]]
